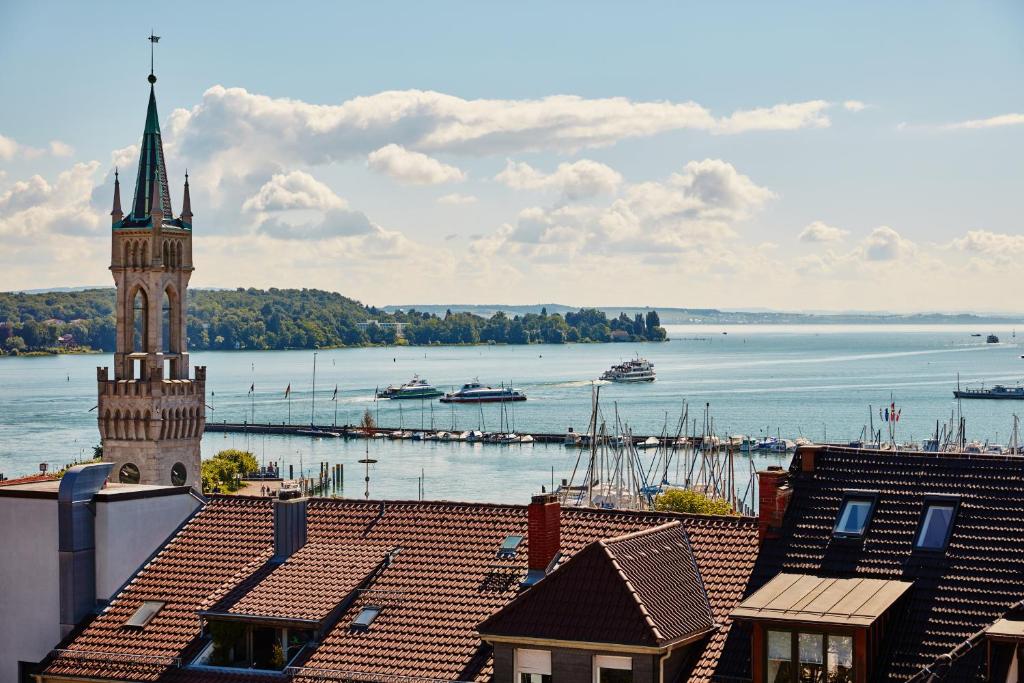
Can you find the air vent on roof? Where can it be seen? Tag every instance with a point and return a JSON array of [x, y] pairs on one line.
[[508, 547], [365, 618], [144, 614]]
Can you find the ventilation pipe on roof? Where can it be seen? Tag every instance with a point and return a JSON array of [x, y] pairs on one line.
[[289, 527], [773, 499], [76, 541], [544, 536]]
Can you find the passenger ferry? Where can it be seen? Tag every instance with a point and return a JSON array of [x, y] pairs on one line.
[[474, 392], [635, 370], [998, 391], [414, 388]]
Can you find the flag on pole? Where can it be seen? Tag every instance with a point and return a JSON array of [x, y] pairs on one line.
[[288, 391], [335, 396], [886, 414], [252, 388]]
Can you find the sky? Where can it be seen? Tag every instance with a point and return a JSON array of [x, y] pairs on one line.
[[791, 155]]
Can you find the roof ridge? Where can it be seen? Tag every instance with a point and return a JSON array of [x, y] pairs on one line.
[[641, 532]]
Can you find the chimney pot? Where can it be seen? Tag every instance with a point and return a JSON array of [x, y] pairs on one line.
[[544, 539], [773, 499], [289, 527]]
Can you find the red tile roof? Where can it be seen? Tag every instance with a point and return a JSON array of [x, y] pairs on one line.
[[308, 586], [443, 583], [642, 589]]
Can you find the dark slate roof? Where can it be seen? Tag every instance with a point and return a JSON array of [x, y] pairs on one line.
[[956, 593], [640, 589], [445, 581], [152, 169]]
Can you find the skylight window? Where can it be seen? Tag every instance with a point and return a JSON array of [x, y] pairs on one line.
[[855, 515], [365, 618], [936, 525], [144, 614], [508, 547]]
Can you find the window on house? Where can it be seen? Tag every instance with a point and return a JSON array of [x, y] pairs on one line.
[[239, 645], [780, 657], [532, 666], [854, 515], [818, 656], [609, 669], [812, 658], [936, 525], [509, 546], [365, 618], [144, 614], [839, 659]]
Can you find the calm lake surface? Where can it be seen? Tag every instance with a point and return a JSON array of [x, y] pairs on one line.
[[797, 379]]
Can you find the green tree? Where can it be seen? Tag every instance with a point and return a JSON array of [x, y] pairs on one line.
[[683, 500], [222, 471], [15, 344]]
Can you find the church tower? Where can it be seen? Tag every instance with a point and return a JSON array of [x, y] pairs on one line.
[[151, 414]]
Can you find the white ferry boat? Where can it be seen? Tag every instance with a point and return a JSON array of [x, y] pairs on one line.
[[635, 370], [474, 392]]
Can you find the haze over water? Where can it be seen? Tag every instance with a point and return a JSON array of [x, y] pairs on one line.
[[758, 379]]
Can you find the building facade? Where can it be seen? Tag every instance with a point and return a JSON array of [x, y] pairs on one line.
[[152, 413], [69, 545]]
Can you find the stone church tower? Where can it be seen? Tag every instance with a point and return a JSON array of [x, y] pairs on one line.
[[151, 414]]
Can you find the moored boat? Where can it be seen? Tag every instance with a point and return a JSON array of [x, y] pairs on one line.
[[999, 391], [474, 392], [417, 387]]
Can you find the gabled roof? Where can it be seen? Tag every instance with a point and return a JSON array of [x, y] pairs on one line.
[[642, 589], [307, 587], [443, 583], [957, 592]]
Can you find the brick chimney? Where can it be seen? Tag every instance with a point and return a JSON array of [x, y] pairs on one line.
[[773, 485], [544, 535], [289, 527]]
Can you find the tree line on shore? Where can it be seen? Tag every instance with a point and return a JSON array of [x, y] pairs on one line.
[[297, 319]]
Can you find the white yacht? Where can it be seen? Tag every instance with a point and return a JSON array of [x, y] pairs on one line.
[[635, 370]]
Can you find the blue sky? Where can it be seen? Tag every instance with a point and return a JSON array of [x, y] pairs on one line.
[[833, 154]]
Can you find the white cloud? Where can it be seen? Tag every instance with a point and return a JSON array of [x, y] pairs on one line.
[[10, 149], [295, 190], [413, 168], [854, 105], [692, 212], [991, 243], [885, 244], [425, 121], [821, 232], [780, 117], [456, 199], [576, 180], [61, 149], [34, 209], [991, 122]]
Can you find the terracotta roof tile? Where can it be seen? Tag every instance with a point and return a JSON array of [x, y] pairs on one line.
[[444, 582]]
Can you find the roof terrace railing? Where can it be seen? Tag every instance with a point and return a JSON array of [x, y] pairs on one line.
[[131, 658]]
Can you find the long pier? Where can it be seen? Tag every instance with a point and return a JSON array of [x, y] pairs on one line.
[[346, 431], [356, 432]]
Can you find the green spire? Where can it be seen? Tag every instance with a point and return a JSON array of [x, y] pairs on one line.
[[152, 171]]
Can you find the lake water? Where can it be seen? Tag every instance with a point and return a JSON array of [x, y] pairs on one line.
[[810, 380]]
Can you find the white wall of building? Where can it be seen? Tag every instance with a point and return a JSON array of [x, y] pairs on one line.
[[128, 531], [29, 582]]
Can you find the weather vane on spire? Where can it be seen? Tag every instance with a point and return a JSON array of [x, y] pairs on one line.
[[153, 40]]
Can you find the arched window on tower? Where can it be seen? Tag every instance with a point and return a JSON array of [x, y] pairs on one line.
[[140, 322], [165, 323]]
